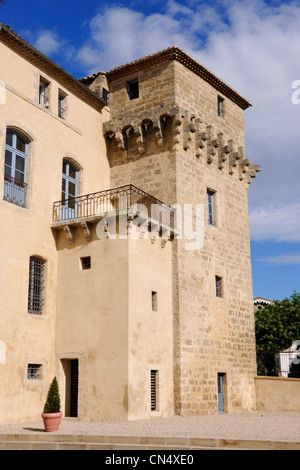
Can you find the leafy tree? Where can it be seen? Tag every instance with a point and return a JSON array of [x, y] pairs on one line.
[[277, 325]]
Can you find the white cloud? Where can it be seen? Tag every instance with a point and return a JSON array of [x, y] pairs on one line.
[[47, 42], [283, 259], [276, 223]]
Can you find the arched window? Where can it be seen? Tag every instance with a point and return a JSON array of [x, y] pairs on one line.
[[36, 284], [15, 168], [69, 189]]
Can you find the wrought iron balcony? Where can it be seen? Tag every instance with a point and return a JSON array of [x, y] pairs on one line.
[[126, 198], [14, 191]]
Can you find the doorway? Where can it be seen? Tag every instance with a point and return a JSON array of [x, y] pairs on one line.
[[221, 391], [71, 371]]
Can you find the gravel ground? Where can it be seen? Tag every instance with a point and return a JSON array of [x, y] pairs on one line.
[[267, 426]]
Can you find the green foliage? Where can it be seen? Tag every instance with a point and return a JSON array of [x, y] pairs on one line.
[[277, 325], [52, 404]]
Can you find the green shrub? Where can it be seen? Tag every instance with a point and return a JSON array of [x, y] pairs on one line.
[[52, 404]]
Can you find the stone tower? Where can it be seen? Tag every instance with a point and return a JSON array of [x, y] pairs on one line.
[[177, 132]]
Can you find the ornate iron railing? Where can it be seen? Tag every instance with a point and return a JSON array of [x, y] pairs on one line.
[[125, 198], [14, 191]]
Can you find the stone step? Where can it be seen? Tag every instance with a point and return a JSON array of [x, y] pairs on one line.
[[54, 441]]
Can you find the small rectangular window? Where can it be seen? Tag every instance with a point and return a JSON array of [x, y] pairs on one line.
[[133, 89], [43, 93], [220, 106], [219, 286], [211, 207], [154, 389], [34, 371], [85, 262], [154, 300], [105, 96], [61, 104]]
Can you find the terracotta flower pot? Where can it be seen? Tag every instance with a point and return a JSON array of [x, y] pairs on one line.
[[51, 421]]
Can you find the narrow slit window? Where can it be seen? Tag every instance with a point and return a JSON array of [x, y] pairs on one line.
[[219, 286], [86, 262], [154, 389], [220, 107], [36, 285], [62, 98], [211, 216], [154, 300], [44, 92]]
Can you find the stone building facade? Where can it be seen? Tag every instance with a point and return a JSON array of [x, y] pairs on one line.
[[142, 315]]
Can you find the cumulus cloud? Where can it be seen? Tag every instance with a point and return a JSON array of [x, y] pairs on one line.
[[276, 223], [284, 259], [47, 42]]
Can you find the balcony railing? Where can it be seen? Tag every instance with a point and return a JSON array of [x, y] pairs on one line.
[[14, 191], [126, 198]]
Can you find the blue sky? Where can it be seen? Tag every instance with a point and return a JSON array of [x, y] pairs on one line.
[[253, 46]]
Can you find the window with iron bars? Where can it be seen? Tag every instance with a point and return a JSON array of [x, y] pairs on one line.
[[154, 389], [34, 371], [36, 282], [219, 286]]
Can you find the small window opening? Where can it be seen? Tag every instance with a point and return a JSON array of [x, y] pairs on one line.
[[105, 96], [85, 262], [133, 89], [154, 301], [44, 92], [62, 97], [154, 389], [220, 106], [34, 372], [211, 219], [219, 286]]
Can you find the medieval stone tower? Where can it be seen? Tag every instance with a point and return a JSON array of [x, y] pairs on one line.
[[176, 131]]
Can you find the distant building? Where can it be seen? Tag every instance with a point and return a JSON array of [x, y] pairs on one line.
[[137, 315], [260, 302]]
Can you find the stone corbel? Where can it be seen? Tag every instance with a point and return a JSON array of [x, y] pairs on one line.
[[244, 165], [87, 230], [211, 150], [159, 133], [252, 170], [140, 140], [120, 140], [224, 150], [176, 131], [201, 138], [233, 161], [69, 233], [189, 129]]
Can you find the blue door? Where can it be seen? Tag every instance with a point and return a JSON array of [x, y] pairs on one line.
[[220, 394], [69, 190]]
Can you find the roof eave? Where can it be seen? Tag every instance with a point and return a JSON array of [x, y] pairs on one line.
[[175, 53], [10, 37]]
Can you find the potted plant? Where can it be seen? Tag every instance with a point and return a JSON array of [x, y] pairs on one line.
[[51, 414]]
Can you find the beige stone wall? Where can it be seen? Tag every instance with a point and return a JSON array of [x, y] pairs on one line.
[[105, 320], [150, 331], [30, 338], [277, 394]]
